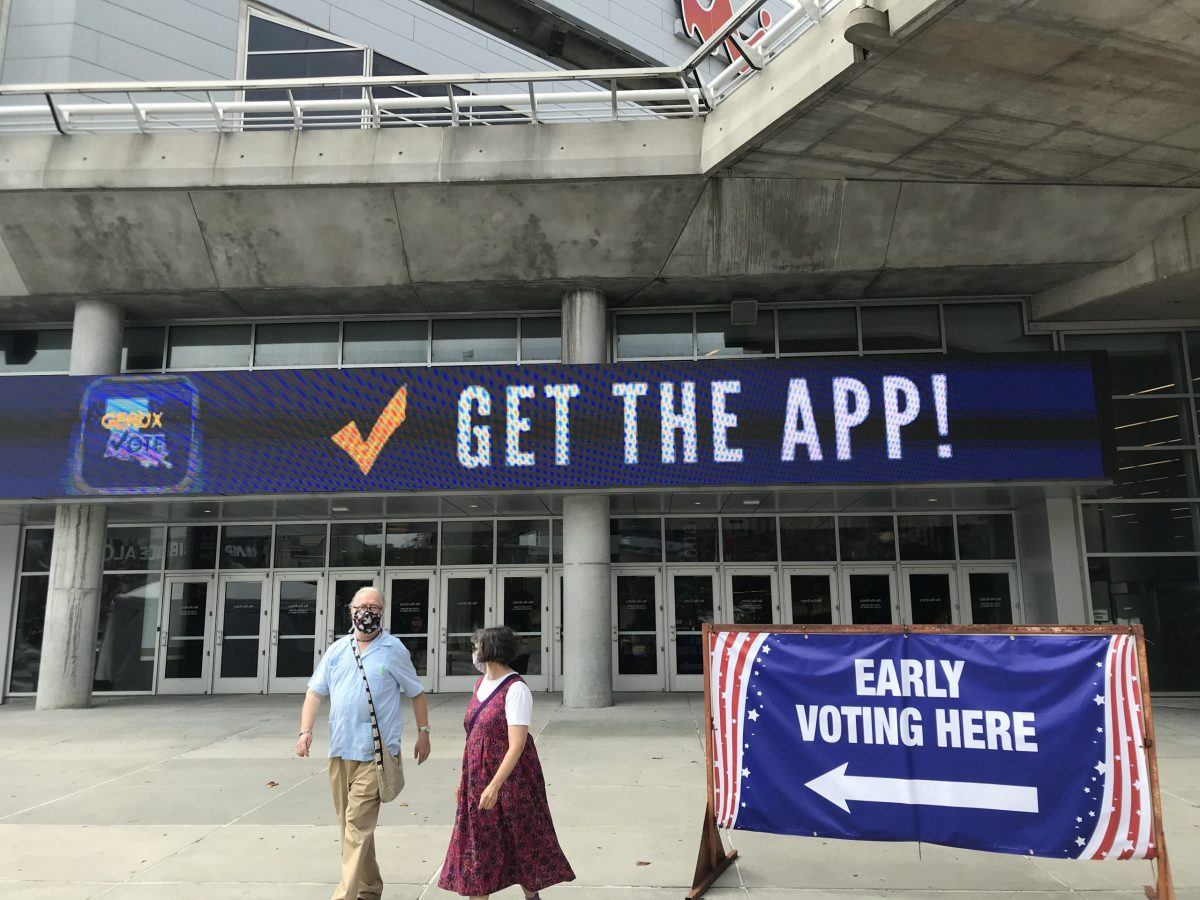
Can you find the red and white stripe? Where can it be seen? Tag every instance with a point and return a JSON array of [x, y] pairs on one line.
[[1124, 826], [731, 660]]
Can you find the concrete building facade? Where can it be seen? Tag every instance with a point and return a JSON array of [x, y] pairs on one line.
[[841, 208]]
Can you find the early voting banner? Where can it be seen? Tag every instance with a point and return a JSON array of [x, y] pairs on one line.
[[1031, 741]]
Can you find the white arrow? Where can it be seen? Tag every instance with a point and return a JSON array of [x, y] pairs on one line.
[[837, 787]]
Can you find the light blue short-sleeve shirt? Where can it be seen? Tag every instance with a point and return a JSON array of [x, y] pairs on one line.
[[391, 675]]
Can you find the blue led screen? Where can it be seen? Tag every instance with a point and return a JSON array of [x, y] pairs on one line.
[[485, 428]]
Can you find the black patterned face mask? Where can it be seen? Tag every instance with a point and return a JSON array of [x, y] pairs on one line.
[[366, 620]]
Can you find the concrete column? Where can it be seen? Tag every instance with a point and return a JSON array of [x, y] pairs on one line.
[[1052, 561], [587, 585], [68, 659], [584, 327]]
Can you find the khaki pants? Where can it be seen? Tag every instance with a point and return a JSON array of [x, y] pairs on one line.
[[355, 788]]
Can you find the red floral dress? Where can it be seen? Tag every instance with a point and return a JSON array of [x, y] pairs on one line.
[[514, 841]]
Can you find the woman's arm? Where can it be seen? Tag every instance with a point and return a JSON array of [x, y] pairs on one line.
[[516, 746]]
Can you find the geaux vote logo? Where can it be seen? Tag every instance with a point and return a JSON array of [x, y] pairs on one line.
[[137, 435], [135, 432]]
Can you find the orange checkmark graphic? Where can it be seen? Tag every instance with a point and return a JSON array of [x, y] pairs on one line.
[[366, 452]]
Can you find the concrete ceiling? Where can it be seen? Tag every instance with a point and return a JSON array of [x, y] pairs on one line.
[[268, 250], [1065, 91]]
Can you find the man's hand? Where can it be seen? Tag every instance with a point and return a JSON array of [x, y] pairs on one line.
[[421, 747], [303, 743]]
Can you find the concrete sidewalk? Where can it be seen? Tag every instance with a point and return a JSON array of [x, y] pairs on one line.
[[203, 799]]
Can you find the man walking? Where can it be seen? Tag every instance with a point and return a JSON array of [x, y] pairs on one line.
[[353, 778]]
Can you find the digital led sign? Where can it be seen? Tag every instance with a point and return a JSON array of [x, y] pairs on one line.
[[610, 426]]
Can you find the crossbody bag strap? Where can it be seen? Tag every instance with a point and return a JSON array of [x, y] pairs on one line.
[[370, 706]]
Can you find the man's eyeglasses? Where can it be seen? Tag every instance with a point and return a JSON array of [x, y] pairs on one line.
[[377, 609]]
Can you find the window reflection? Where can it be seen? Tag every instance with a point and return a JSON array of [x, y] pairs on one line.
[[127, 633], [635, 540], [209, 347], [1145, 363], [474, 340], [717, 336], [867, 538], [692, 540], [654, 336]]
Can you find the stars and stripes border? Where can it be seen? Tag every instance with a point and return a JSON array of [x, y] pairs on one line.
[[1125, 827], [731, 658]]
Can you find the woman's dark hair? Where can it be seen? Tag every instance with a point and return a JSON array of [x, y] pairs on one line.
[[497, 645]]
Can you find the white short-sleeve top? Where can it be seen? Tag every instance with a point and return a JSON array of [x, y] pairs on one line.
[[518, 704]]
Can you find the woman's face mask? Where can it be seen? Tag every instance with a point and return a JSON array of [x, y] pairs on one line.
[[479, 664], [366, 620]]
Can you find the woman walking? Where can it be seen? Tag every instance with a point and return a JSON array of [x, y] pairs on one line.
[[503, 834]]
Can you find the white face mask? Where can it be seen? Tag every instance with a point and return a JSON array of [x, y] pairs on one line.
[[481, 666]]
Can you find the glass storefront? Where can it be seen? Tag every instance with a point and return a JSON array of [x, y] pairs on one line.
[[251, 606], [1141, 532]]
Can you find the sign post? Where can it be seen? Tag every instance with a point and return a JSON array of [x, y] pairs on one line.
[[712, 860], [980, 737]]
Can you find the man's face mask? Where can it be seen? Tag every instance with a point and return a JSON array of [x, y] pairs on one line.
[[366, 620]]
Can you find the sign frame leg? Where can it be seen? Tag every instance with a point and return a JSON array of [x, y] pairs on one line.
[[712, 860], [1164, 887]]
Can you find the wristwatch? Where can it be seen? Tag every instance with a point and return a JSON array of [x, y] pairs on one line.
[[424, 728]]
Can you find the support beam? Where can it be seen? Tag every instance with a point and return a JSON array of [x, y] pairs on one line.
[[68, 659], [587, 584], [1052, 561], [1159, 281]]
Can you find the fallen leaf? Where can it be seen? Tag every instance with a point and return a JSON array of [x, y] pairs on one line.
[[642, 862], [272, 784]]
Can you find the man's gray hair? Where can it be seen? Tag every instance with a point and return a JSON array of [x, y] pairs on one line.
[[363, 591]]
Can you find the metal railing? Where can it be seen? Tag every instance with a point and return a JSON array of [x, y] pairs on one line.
[[415, 101]]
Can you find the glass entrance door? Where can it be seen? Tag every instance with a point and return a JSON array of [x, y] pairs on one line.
[[989, 595], [556, 611], [810, 596], [691, 602], [870, 596], [639, 651], [239, 661], [342, 588], [928, 595], [412, 617], [466, 605], [524, 607], [751, 597], [187, 635], [297, 632]]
